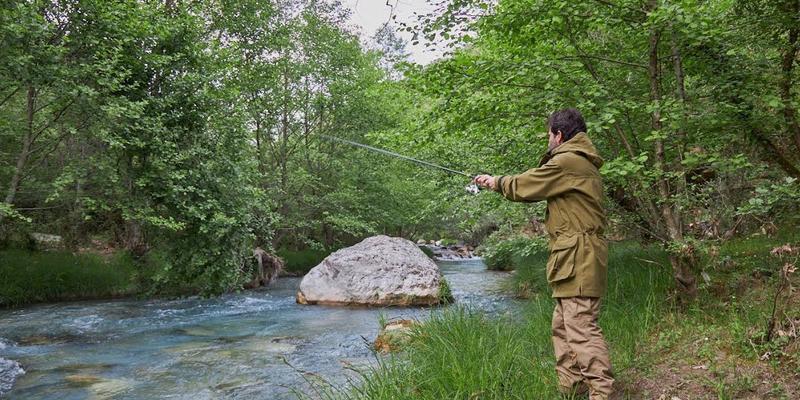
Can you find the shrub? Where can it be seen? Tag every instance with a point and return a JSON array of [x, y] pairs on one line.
[[445, 294], [301, 261], [427, 250], [31, 277], [509, 254]]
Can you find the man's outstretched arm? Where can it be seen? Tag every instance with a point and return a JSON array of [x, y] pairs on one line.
[[532, 185]]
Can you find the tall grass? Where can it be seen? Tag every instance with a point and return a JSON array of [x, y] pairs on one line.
[[301, 261], [464, 354], [31, 277]]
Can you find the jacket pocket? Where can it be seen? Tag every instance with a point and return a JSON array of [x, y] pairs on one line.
[[561, 263]]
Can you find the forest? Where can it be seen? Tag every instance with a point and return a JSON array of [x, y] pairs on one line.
[[157, 143]]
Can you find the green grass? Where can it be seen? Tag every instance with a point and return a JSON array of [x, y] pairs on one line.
[[723, 330], [301, 261], [464, 354], [506, 254], [33, 277], [529, 273]]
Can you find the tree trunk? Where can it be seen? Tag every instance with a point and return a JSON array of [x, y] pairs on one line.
[[681, 263], [774, 153], [787, 66], [22, 159]]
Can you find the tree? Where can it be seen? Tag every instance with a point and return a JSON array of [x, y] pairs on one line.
[[654, 80]]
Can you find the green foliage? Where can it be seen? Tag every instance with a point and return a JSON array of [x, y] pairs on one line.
[[7, 211], [35, 277], [772, 198], [684, 128], [509, 253], [461, 353], [445, 294], [726, 328], [301, 261], [193, 131], [427, 250]]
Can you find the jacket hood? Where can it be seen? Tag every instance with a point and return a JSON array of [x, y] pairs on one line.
[[580, 144]]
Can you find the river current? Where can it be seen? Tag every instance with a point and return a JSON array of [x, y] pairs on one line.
[[250, 345]]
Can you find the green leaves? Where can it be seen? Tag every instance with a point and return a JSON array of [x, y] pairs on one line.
[[7, 210]]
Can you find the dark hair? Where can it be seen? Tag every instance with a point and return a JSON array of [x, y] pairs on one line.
[[569, 121]]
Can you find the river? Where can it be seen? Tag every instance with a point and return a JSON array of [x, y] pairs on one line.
[[250, 345]]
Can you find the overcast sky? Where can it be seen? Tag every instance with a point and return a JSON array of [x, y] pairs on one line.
[[371, 14]]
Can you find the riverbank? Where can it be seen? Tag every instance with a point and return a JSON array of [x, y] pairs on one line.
[[36, 277], [32, 276], [248, 345], [712, 350]]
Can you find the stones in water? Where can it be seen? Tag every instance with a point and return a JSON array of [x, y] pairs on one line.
[[379, 271], [196, 331], [46, 340], [394, 335], [83, 368], [260, 345], [82, 380], [9, 371], [109, 388], [267, 268], [452, 252]]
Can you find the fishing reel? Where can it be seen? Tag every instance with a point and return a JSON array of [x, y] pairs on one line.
[[472, 188]]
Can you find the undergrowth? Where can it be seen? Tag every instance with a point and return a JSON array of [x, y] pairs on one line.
[[301, 261], [464, 354], [33, 277], [717, 348]]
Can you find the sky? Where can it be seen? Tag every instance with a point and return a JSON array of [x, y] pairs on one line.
[[371, 14]]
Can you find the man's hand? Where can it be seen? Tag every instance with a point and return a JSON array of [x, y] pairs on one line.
[[486, 181]]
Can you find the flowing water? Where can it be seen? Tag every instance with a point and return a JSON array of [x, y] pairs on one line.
[[252, 345]]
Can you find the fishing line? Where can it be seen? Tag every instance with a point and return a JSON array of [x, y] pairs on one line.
[[472, 188], [393, 154]]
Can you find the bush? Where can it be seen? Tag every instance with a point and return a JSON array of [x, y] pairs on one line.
[[445, 294], [301, 261], [427, 250], [511, 253], [32, 277]]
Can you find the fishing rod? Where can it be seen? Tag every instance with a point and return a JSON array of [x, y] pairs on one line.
[[471, 188]]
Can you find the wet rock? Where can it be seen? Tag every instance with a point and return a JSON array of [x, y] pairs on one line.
[[452, 252], [268, 345], [196, 331], [83, 367], [109, 388], [394, 335], [82, 380], [9, 371], [267, 268], [379, 271], [43, 340]]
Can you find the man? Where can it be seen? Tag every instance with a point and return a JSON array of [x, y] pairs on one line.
[[568, 178]]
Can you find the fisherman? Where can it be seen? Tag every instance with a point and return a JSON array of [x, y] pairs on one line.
[[568, 178]]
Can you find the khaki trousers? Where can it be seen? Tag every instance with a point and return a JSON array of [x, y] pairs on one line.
[[581, 351]]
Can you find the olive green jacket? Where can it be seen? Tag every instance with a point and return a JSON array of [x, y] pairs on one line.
[[568, 179]]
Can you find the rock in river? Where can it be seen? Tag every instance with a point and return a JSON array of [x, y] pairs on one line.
[[394, 335], [379, 271]]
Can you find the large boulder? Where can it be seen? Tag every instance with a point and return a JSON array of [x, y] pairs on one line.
[[379, 271]]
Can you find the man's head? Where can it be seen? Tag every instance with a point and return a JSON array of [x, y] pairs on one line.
[[563, 125]]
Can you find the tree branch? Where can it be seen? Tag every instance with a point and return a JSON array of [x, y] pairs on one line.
[[627, 63]]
